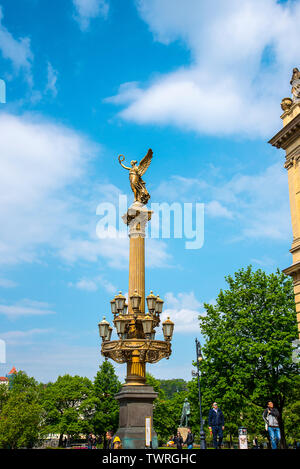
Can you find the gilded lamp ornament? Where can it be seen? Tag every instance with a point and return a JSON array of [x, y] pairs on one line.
[[135, 327]]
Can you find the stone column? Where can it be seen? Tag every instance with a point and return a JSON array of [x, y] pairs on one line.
[[289, 139], [135, 397]]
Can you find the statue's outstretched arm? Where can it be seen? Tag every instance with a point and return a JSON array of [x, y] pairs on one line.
[[120, 161]]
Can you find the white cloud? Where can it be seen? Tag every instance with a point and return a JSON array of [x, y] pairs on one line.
[[16, 50], [6, 283], [215, 209], [257, 205], [242, 54], [183, 309], [51, 80], [261, 203], [21, 337], [48, 203], [86, 10], [39, 161], [93, 284], [26, 308]]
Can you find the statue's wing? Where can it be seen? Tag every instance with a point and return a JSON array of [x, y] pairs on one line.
[[145, 162]]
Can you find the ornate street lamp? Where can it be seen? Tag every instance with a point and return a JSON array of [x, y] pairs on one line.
[[113, 307], [120, 323], [159, 305], [120, 302], [151, 302], [125, 309], [199, 359], [135, 301], [147, 322], [103, 328], [168, 327], [108, 337]]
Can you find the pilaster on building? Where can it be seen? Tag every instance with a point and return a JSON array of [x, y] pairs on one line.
[[288, 138]]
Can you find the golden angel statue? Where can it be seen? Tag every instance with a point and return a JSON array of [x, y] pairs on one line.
[[135, 177]]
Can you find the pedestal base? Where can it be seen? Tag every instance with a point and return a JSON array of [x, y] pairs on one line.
[[136, 403], [183, 432]]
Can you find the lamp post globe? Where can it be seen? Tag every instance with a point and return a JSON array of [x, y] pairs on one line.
[[103, 328], [168, 327], [135, 301], [120, 302], [159, 305]]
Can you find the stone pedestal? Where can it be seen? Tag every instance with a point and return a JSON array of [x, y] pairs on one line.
[[136, 403], [183, 432]]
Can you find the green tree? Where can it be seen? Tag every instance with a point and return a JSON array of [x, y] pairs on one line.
[[66, 403], [291, 414], [3, 395], [248, 347], [20, 422], [106, 386], [22, 414], [170, 386], [166, 411]]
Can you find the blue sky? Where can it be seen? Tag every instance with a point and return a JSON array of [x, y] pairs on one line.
[[86, 80]]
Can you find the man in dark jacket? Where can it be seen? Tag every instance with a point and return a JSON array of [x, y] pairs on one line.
[[216, 424], [271, 418]]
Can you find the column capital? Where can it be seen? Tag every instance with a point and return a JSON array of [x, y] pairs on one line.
[[136, 218]]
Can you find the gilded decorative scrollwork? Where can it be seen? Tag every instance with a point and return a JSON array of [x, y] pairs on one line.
[[151, 351]]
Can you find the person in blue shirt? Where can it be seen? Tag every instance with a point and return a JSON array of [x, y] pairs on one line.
[[216, 424]]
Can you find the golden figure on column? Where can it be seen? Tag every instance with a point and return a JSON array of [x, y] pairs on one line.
[[135, 177]]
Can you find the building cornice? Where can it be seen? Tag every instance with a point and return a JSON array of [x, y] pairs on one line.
[[286, 136]]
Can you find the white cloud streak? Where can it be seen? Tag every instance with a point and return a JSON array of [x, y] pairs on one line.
[[52, 75], [257, 205], [18, 51], [25, 308], [86, 10], [93, 284], [6, 283], [22, 337]]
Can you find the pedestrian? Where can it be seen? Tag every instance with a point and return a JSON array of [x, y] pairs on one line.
[[90, 441], [271, 418], [117, 444], [189, 439], [109, 440], [216, 424], [255, 443], [94, 442], [178, 440]]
